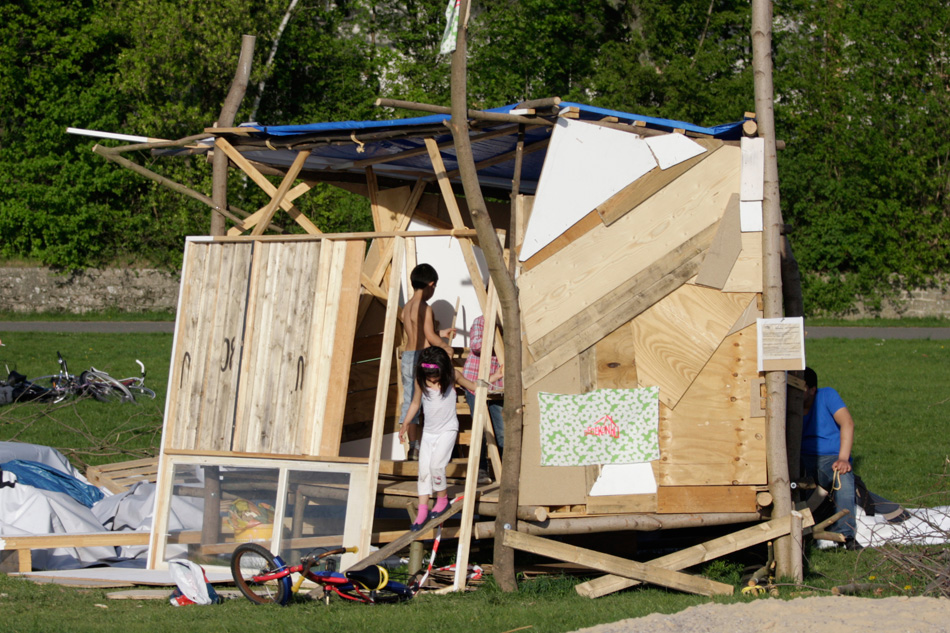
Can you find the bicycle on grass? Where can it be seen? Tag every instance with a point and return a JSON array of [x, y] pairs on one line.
[[264, 578]]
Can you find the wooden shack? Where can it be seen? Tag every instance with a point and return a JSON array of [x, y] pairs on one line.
[[638, 244]]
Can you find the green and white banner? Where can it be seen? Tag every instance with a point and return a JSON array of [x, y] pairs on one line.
[[606, 426]]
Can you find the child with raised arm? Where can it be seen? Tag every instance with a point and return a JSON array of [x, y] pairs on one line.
[[436, 379], [419, 325]]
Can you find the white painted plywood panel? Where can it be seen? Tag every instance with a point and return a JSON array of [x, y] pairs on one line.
[[586, 164], [673, 149]]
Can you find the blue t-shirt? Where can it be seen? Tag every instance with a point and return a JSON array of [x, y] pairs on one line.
[[820, 432]]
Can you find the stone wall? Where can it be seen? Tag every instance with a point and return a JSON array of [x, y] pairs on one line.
[[125, 289], [142, 289]]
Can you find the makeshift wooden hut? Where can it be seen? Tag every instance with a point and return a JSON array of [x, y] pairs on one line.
[[638, 244]]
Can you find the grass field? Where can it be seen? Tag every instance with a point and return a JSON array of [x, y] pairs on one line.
[[896, 390]]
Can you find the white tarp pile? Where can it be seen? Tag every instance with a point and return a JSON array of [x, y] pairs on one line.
[[25, 509]]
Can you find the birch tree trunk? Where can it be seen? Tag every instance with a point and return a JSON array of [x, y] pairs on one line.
[[503, 563]]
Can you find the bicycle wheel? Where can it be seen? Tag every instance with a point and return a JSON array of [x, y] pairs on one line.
[[251, 560], [140, 392], [392, 592], [57, 388], [105, 388]]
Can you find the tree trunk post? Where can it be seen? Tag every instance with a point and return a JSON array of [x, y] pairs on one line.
[[772, 283], [219, 163], [503, 564]]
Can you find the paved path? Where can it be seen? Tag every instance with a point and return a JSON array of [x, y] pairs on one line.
[[120, 327]]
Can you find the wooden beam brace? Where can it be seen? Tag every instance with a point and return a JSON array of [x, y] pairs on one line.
[[616, 565], [282, 190], [261, 181], [701, 553]]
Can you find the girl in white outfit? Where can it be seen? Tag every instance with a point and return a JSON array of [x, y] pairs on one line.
[[436, 395]]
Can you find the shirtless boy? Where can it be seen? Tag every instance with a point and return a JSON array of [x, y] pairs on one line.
[[420, 330]]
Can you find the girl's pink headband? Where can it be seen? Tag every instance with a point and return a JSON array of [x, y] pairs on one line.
[[429, 366]]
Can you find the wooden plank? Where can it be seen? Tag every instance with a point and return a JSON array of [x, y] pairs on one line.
[[448, 196], [704, 552], [709, 438], [753, 168], [408, 537], [675, 337], [605, 258], [725, 249], [581, 227], [120, 476], [746, 275], [634, 296], [699, 499], [261, 181], [640, 190], [616, 565], [341, 355], [479, 419], [382, 396], [292, 172], [621, 504]]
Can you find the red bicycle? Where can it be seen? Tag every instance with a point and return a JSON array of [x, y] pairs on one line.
[[264, 578]]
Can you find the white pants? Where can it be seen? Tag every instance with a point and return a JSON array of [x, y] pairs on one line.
[[435, 451]]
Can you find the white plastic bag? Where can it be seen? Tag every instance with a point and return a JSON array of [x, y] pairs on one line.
[[192, 583]]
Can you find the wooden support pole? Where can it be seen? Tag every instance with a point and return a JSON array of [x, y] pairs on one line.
[[772, 282], [618, 566], [219, 162], [479, 115]]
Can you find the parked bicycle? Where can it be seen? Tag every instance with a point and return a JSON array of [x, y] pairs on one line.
[[56, 388], [264, 578]]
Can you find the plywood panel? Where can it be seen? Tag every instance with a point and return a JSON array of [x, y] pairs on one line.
[[603, 258], [674, 338], [616, 360], [746, 275], [549, 485], [696, 499], [709, 438]]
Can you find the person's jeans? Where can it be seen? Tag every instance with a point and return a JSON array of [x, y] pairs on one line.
[[819, 467], [494, 412], [408, 371]]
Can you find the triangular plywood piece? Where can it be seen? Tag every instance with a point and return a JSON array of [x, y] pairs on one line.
[[710, 437], [725, 249], [675, 338], [747, 318], [585, 165]]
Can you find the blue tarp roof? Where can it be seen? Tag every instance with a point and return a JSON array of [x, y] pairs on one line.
[[337, 155]]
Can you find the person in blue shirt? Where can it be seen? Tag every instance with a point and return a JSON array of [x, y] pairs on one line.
[[827, 441]]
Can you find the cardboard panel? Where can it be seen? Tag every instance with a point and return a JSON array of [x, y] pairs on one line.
[[710, 438], [549, 485], [746, 275], [674, 338]]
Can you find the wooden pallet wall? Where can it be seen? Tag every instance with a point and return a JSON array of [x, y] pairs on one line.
[[263, 347]]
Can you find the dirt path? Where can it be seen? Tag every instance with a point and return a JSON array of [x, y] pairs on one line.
[[834, 614]]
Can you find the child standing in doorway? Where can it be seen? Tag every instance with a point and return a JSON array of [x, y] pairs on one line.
[[436, 379], [419, 325]]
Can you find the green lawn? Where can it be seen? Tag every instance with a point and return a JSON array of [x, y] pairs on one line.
[[896, 391]]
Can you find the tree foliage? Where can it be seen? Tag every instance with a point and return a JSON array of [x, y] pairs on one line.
[[861, 97]]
